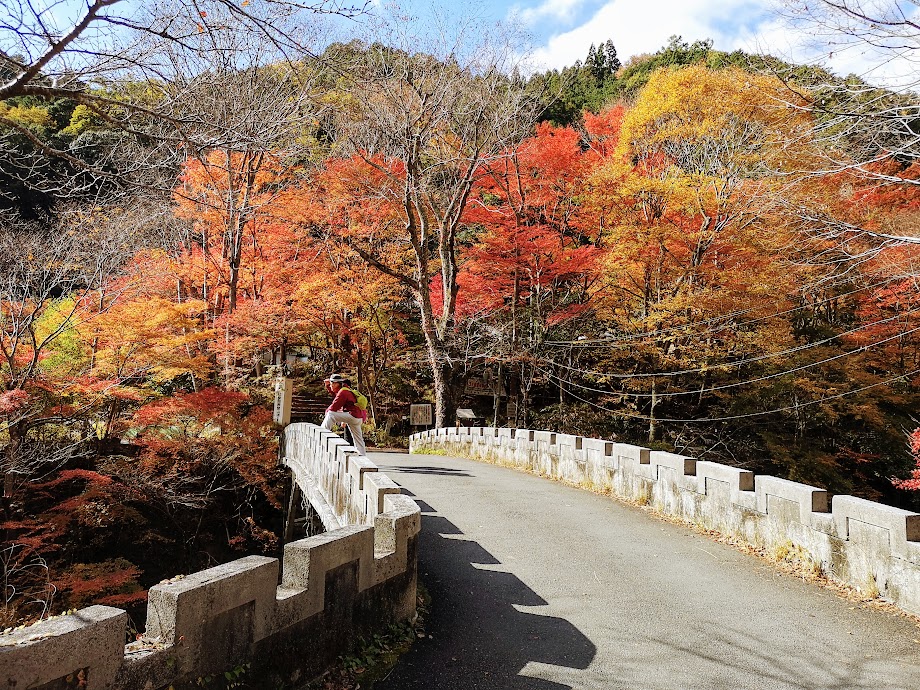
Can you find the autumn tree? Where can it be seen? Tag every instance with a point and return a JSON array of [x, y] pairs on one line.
[[50, 278], [531, 267], [422, 117], [224, 197], [353, 312], [866, 124], [247, 117], [689, 203], [143, 341]]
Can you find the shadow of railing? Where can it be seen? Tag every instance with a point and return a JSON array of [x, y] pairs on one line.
[[669, 633], [478, 639], [421, 469]]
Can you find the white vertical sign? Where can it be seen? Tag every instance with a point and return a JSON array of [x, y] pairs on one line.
[[284, 391]]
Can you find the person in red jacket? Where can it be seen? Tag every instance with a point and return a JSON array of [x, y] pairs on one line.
[[343, 410]]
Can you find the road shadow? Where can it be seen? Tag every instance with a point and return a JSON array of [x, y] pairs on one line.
[[416, 469], [422, 505], [478, 640]]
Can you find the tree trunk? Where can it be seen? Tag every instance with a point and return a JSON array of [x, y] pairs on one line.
[[442, 371], [12, 461], [496, 395], [445, 404], [110, 420], [524, 410], [514, 394]]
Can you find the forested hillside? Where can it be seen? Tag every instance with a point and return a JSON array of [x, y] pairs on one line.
[[692, 250]]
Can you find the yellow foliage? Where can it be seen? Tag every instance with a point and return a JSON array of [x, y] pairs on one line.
[[152, 336], [690, 212], [28, 117], [711, 121], [81, 119]]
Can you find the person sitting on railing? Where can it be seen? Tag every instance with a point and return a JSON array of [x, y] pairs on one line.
[[344, 410]]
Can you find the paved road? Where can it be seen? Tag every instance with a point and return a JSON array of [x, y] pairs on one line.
[[539, 586]]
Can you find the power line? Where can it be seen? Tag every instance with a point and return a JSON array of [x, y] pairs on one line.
[[750, 414], [761, 358], [601, 342], [701, 391]]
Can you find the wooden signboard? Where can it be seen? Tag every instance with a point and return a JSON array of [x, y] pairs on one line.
[[420, 415]]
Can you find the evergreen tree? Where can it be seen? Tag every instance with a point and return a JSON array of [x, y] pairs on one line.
[[613, 62]]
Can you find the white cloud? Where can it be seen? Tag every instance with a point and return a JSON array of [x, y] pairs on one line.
[[637, 28], [644, 27], [563, 10]]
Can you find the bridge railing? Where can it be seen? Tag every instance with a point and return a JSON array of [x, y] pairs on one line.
[[283, 622], [867, 545], [342, 486]]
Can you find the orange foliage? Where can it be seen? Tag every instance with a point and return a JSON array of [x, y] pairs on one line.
[[10, 401], [187, 433], [913, 482], [110, 583], [206, 406], [603, 131], [530, 251], [227, 198]]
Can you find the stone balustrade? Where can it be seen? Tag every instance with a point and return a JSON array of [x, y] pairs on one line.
[[867, 545], [343, 487], [288, 621]]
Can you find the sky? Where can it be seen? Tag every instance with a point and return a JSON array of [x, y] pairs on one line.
[[563, 30]]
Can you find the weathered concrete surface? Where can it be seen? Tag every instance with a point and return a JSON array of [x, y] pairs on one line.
[[537, 585], [88, 646]]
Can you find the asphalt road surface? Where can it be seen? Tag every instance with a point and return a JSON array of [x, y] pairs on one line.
[[540, 586]]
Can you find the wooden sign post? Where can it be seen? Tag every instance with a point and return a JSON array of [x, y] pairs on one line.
[[284, 392]]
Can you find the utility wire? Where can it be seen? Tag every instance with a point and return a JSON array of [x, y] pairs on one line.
[[750, 414], [602, 342], [701, 391], [761, 358]]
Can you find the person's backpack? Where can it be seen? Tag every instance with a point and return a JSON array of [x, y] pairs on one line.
[[360, 399]]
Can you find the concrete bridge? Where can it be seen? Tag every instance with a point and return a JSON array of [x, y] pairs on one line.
[[537, 584], [541, 586]]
